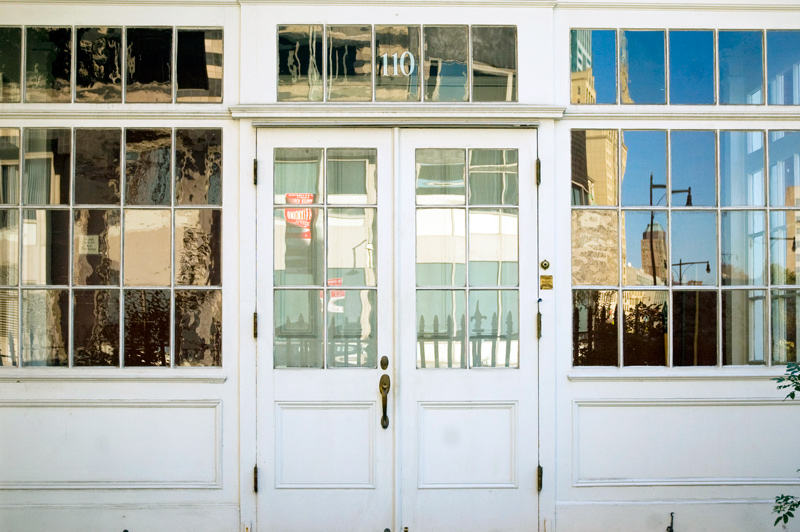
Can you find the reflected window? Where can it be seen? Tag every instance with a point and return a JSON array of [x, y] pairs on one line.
[[741, 168], [783, 151], [98, 69], [300, 63], [349, 63], [641, 67], [593, 66], [494, 63], [445, 68], [691, 67], [783, 67], [199, 66], [741, 67]]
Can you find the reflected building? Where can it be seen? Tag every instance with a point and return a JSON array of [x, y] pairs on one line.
[[654, 253], [581, 77]]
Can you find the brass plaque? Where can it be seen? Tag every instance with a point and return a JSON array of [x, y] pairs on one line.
[[545, 282]]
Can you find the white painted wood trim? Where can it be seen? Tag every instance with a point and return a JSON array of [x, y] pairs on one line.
[[112, 375], [115, 113], [772, 113], [669, 375], [785, 5]]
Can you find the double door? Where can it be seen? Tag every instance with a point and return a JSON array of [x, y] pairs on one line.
[[397, 370]]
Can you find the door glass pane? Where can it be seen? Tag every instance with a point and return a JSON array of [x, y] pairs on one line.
[[352, 328], [97, 166], [96, 247], [694, 326], [9, 166], [693, 168], [351, 176], [397, 63], [785, 327], [300, 60], [784, 168], [299, 337], [441, 329], [45, 179], [45, 327], [299, 237], [198, 327], [743, 248], [446, 60], [298, 176], [99, 65], [10, 64], [594, 327], [441, 176], [641, 67], [494, 328], [494, 63], [441, 247], [493, 247], [48, 62], [95, 329], [741, 168], [147, 328], [349, 63], [691, 67], [149, 63], [645, 327], [741, 67], [493, 177], [352, 247], [593, 66], [45, 247], [147, 166], [146, 257], [744, 317], [199, 66], [595, 247]]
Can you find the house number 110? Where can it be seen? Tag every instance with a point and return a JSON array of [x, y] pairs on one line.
[[407, 64]]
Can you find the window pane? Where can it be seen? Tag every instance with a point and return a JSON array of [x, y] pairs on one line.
[[446, 60], [48, 62], [199, 66], [298, 329], [45, 179], [783, 229], [99, 65], [494, 328], [9, 166], [198, 242], [10, 64], [645, 328], [741, 168], [595, 248], [493, 247], [593, 66], [744, 317], [785, 326], [694, 248], [198, 167], [198, 328], [693, 168], [441, 329], [441, 247], [441, 176], [147, 166], [743, 253], [352, 247], [400, 82], [300, 59], [784, 168], [299, 240], [595, 339], [783, 67], [298, 176], [9, 325], [641, 67], [95, 329], [691, 67], [694, 323], [645, 258], [493, 177], [9, 247], [45, 247], [494, 63], [352, 328], [351, 176], [148, 236], [96, 248], [45, 327], [741, 67], [149, 62], [350, 63], [147, 333], [595, 159], [644, 169], [97, 166]]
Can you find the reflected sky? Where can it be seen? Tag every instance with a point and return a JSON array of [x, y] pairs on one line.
[[783, 58], [693, 165], [604, 65], [741, 73], [784, 154], [691, 67], [642, 56], [694, 239], [646, 154]]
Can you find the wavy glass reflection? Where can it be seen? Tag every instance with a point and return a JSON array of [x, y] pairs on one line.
[[147, 166], [494, 63], [593, 66], [300, 63], [95, 329], [45, 327], [198, 167], [45, 247], [98, 65], [595, 245], [198, 328], [299, 240], [784, 325], [352, 335], [9, 324], [446, 62], [349, 63], [493, 247], [9, 165], [10, 64], [744, 322], [48, 53], [743, 248], [783, 67], [783, 229], [397, 63], [596, 158], [493, 177], [198, 243], [47, 167], [352, 246], [441, 176], [741, 168], [646, 257], [784, 172], [98, 178], [199, 66], [741, 67], [595, 337], [147, 258], [441, 247], [494, 328], [147, 330], [298, 334], [644, 172], [9, 247], [96, 247], [351, 176], [149, 65], [645, 328]]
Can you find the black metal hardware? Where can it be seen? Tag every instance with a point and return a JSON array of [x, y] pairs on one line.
[[538, 171], [383, 387], [255, 324], [540, 477], [670, 528], [255, 171], [255, 479]]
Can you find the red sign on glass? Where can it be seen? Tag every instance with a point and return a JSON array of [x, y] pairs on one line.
[[300, 217]]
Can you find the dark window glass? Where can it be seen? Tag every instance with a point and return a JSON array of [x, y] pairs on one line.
[[349, 63], [199, 66], [645, 327], [149, 65], [691, 67], [397, 63], [48, 64], [593, 66], [446, 61], [300, 60], [99, 65], [595, 339], [694, 325], [494, 63], [198, 167], [147, 328], [198, 328], [45, 178], [97, 166], [641, 67], [693, 168], [741, 67], [147, 166], [10, 64], [95, 329], [783, 67], [784, 325]]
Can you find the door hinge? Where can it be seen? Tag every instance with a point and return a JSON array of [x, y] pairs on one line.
[[538, 171], [255, 171], [539, 479], [538, 325], [255, 479], [255, 324]]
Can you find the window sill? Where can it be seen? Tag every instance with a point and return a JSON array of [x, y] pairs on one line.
[[652, 374], [193, 375]]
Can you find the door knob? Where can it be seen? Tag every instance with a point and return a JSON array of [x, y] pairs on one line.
[[383, 387]]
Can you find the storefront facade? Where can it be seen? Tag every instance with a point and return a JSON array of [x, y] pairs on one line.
[[377, 265]]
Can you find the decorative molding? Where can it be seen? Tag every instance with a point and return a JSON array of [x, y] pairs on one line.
[[127, 3], [124, 375], [684, 5], [705, 113], [754, 401], [120, 506], [620, 375], [112, 112], [403, 3]]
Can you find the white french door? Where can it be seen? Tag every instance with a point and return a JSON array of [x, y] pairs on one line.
[[394, 257]]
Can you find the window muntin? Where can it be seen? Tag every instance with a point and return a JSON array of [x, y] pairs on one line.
[[94, 278], [714, 300]]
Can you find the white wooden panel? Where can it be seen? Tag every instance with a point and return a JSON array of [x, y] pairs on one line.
[[682, 442], [110, 445], [325, 445], [467, 445]]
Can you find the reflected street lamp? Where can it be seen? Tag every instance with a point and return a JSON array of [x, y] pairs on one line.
[[680, 264], [688, 192]]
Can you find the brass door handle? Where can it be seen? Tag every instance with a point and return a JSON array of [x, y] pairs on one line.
[[383, 387]]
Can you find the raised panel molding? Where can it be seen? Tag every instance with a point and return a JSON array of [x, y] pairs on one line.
[[214, 444], [659, 418]]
